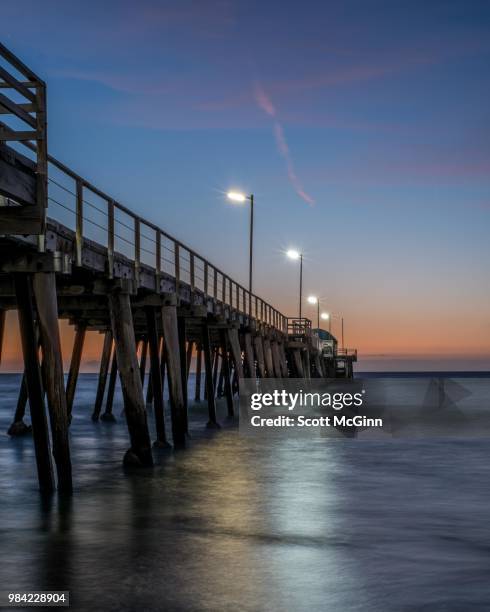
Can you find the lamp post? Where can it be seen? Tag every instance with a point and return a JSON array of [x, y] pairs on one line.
[[312, 299], [236, 196], [295, 255]]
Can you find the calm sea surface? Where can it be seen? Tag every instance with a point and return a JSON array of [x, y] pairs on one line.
[[233, 523]]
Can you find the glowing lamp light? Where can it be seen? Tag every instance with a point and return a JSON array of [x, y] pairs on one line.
[[312, 299], [325, 316], [235, 196], [292, 254]]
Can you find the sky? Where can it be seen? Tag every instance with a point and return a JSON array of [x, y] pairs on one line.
[[361, 128]]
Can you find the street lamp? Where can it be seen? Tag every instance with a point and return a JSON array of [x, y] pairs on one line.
[[295, 255], [236, 196], [312, 299]]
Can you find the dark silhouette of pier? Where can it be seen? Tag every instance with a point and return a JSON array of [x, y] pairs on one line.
[[104, 268]]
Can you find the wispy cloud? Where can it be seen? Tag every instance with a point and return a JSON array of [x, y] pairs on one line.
[[265, 103]]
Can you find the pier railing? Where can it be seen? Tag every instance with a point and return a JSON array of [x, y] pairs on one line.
[[346, 352], [23, 108], [122, 231]]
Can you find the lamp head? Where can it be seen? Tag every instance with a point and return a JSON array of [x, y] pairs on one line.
[[293, 254], [236, 196]]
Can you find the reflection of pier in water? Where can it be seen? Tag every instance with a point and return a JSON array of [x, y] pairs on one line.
[[68, 250]]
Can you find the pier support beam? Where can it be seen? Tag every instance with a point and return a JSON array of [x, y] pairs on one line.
[[282, 359], [127, 363], [153, 345], [2, 331], [269, 364], [249, 355], [276, 360], [107, 415], [226, 372], [104, 369], [259, 353], [143, 354], [197, 394], [298, 363], [215, 368], [23, 291], [174, 362], [76, 358], [236, 351], [44, 286], [208, 374]]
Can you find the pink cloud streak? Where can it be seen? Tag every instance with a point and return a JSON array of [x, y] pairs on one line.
[[265, 103]]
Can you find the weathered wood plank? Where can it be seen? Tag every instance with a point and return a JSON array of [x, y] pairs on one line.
[[174, 362], [44, 286], [29, 342], [103, 370], [76, 358], [156, 380], [127, 363]]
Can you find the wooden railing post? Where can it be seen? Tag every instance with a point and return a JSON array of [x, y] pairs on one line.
[[137, 250], [177, 266], [215, 289], [158, 259], [192, 272], [110, 237], [79, 224], [205, 278]]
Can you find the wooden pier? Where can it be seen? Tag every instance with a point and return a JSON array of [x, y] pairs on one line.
[[70, 251]]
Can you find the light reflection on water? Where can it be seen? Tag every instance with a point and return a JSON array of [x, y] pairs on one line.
[[234, 523]]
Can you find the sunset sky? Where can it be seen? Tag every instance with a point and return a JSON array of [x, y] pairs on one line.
[[362, 128]]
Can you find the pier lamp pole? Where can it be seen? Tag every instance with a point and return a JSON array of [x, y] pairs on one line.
[[312, 299], [292, 254], [236, 196]]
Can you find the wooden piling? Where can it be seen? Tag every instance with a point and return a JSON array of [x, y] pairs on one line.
[[215, 369], [44, 287], [143, 355], [153, 345], [74, 367], [190, 347], [127, 363], [2, 331], [298, 363], [226, 372], [23, 292], [208, 375], [249, 355], [269, 365], [259, 353], [175, 380], [108, 415], [197, 394], [184, 360], [103, 370], [236, 351]]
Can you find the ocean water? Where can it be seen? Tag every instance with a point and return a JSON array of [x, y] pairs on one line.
[[233, 523]]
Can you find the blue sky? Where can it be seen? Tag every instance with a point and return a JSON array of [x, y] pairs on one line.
[[362, 128]]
